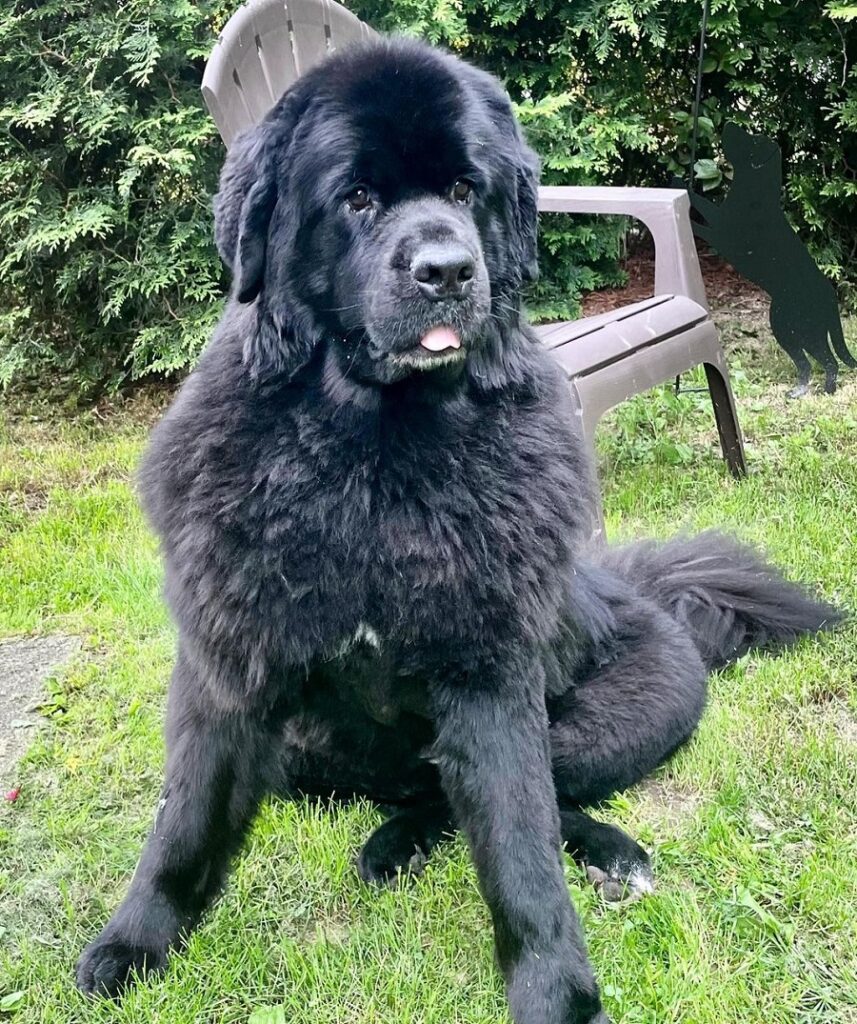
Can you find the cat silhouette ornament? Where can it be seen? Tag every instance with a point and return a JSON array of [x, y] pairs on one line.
[[749, 230]]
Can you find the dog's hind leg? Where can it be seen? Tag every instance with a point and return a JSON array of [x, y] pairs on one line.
[[634, 705], [625, 715], [402, 845], [804, 370], [789, 335]]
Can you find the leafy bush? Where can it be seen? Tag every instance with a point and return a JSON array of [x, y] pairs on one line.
[[606, 90], [108, 160]]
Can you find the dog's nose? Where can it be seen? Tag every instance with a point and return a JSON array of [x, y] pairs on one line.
[[443, 271]]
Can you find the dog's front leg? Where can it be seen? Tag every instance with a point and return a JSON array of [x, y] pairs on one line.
[[493, 755], [214, 780]]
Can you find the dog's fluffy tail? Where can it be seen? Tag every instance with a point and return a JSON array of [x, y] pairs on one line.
[[729, 599]]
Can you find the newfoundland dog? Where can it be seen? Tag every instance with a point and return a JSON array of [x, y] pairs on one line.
[[375, 507]]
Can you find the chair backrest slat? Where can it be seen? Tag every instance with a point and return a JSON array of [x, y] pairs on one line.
[[224, 98], [276, 56], [263, 48], [248, 73], [343, 26], [309, 37]]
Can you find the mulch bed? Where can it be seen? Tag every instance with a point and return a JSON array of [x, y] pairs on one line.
[[725, 288]]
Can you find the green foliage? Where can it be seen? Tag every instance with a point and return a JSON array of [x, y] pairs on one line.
[[108, 159], [606, 90], [843, 12], [643, 429], [107, 162]]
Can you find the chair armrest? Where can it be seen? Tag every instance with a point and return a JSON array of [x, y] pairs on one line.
[[664, 211]]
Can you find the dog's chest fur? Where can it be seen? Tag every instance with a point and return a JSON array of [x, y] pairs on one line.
[[321, 531]]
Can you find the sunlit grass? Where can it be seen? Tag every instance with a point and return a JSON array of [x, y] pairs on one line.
[[752, 825]]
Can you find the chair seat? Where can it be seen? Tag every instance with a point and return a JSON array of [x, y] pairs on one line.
[[593, 342]]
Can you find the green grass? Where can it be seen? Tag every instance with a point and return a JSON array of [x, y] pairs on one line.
[[753, 825]]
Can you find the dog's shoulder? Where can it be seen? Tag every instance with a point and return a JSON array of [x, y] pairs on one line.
[[202, 435]]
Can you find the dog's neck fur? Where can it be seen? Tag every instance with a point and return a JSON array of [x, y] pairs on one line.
[[497, 363]]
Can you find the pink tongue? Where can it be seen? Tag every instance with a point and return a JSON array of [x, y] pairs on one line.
[[440, 338]]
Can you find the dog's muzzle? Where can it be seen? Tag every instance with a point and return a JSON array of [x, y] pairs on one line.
[[431, 294]]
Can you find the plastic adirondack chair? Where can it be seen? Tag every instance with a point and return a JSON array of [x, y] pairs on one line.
[[266, 44]]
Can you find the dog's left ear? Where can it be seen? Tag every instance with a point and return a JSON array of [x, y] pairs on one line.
[[527, 208], [518, 160], [256, 212]]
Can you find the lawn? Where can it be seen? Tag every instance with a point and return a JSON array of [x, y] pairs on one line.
[[753, 825]]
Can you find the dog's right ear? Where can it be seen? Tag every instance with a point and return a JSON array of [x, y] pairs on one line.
[[248, 191], [243, 208]]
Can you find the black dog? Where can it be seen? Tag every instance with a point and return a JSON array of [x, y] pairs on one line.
[[374, 507]]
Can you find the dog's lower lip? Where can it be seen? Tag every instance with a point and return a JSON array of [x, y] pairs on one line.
[[424, 357]]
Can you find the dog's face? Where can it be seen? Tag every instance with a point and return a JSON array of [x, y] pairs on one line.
[[386, 205]]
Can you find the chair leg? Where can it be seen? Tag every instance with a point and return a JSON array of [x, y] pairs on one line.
[[731, 441]]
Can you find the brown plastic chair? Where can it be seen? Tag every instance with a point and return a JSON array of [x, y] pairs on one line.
[[266, 44]]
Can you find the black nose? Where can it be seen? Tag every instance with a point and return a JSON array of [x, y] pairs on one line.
[[443, 271]]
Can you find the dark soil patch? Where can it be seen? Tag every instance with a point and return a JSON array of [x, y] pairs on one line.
[[29, 498], [845, 724], [726, 290], [665, 802]]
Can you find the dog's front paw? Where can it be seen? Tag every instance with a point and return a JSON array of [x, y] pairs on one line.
[[107, 966]]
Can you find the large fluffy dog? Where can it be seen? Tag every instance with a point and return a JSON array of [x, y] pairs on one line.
[[374, 510]]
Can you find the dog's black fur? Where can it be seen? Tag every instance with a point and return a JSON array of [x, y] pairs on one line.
[[377, 557]]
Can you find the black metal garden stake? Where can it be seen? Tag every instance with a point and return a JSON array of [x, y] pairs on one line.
[[750, 230]]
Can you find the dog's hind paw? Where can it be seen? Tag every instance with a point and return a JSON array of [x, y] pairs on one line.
[[622, 882], [391, 853], [381, 866], [107, 968], [617, 866]]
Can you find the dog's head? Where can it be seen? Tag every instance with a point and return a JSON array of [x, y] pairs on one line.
[[387, 204]]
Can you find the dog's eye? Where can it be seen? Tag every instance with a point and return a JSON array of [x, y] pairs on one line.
[[359, 199], [462, 190]]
